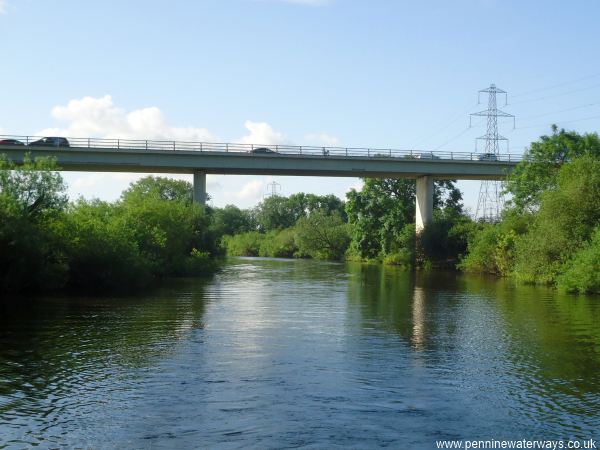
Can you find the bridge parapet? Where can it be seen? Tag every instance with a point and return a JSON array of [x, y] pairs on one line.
[[259, 149]]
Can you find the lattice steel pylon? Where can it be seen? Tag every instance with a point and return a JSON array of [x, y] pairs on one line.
[[274, 187], [491, 198]]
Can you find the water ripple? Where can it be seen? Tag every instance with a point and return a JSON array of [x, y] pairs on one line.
[[275, 353]]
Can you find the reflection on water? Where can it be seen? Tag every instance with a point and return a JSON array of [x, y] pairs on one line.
[[274, 353]]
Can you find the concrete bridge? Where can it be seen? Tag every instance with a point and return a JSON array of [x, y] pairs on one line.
[[201, 158]]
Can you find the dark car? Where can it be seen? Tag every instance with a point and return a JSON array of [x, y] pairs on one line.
[[10, 142], [487, 157], [262, 151], [51, 142]]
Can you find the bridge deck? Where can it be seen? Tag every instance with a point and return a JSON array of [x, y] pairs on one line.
[[115, 155]]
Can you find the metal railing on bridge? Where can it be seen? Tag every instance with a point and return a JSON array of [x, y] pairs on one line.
[[251, 149]]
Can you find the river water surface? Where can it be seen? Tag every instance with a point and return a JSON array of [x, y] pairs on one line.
[[279, 353]]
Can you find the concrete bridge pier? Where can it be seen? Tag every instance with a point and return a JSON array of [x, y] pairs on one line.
[[424, 211], [199, 194]]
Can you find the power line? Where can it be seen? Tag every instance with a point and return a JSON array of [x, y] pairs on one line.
[[452, 139], [556, 95], [445, 127], [582, 119], [587, 105], [554, 86]]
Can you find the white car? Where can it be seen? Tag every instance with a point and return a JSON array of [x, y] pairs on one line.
[[425, 155]]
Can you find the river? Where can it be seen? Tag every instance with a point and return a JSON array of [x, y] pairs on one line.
[[283, 353]]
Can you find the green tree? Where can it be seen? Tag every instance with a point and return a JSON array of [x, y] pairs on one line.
[[380, 211], [278, 244], [276, 213], [232, 220], [32, 201], [567, 217], [160, 188], [166, 228], [34, 187], [322, 236], [539, 169], [582, 273], [305, 204], [243, 244], [492, 247], [102, 250], [445, 238]]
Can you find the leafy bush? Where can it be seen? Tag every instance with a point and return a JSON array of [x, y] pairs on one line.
[[491, 247], [154, 231], [568, 215], [402, 257], [244, 244], [582, 273], [278, 244], [199, 263], [444, 238], [322, 236], [102, 253], [32, 201]]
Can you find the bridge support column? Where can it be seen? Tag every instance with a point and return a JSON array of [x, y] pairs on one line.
[[199, 195], [424, 211]]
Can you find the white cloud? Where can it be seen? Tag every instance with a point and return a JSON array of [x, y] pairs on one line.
[[322, 139], [95, 180], [87, 181], [250, 192], [2, 6], [99, 117], [262, 133], [357, 186]]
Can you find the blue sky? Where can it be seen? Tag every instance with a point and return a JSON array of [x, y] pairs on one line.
[[355, 73]]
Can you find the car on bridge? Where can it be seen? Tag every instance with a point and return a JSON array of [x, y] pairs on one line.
[[263, 151], [10, 142], [425, 155], [51, 142], [487, 157]]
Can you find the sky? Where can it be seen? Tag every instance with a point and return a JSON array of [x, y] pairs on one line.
[[360, 73]]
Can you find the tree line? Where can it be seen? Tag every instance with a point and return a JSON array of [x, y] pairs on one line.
[[549, 233], [46, 243]]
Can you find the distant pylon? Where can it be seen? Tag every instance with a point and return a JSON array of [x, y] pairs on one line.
[[491, 200], [273, 189]]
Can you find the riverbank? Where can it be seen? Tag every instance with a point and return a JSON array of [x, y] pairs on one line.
[[48, 244]]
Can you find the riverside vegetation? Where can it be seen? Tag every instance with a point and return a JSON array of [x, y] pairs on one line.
[[548, 234], [46, 243]]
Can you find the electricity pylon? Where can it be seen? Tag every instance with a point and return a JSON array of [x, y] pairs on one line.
[[274, 188], [491, 198]]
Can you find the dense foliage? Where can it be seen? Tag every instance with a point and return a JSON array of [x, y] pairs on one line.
[[543, 160], [32, 201], [382, 217], [153, 231], [301, 225], [374, 223], [277, 212], [550, 234]]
